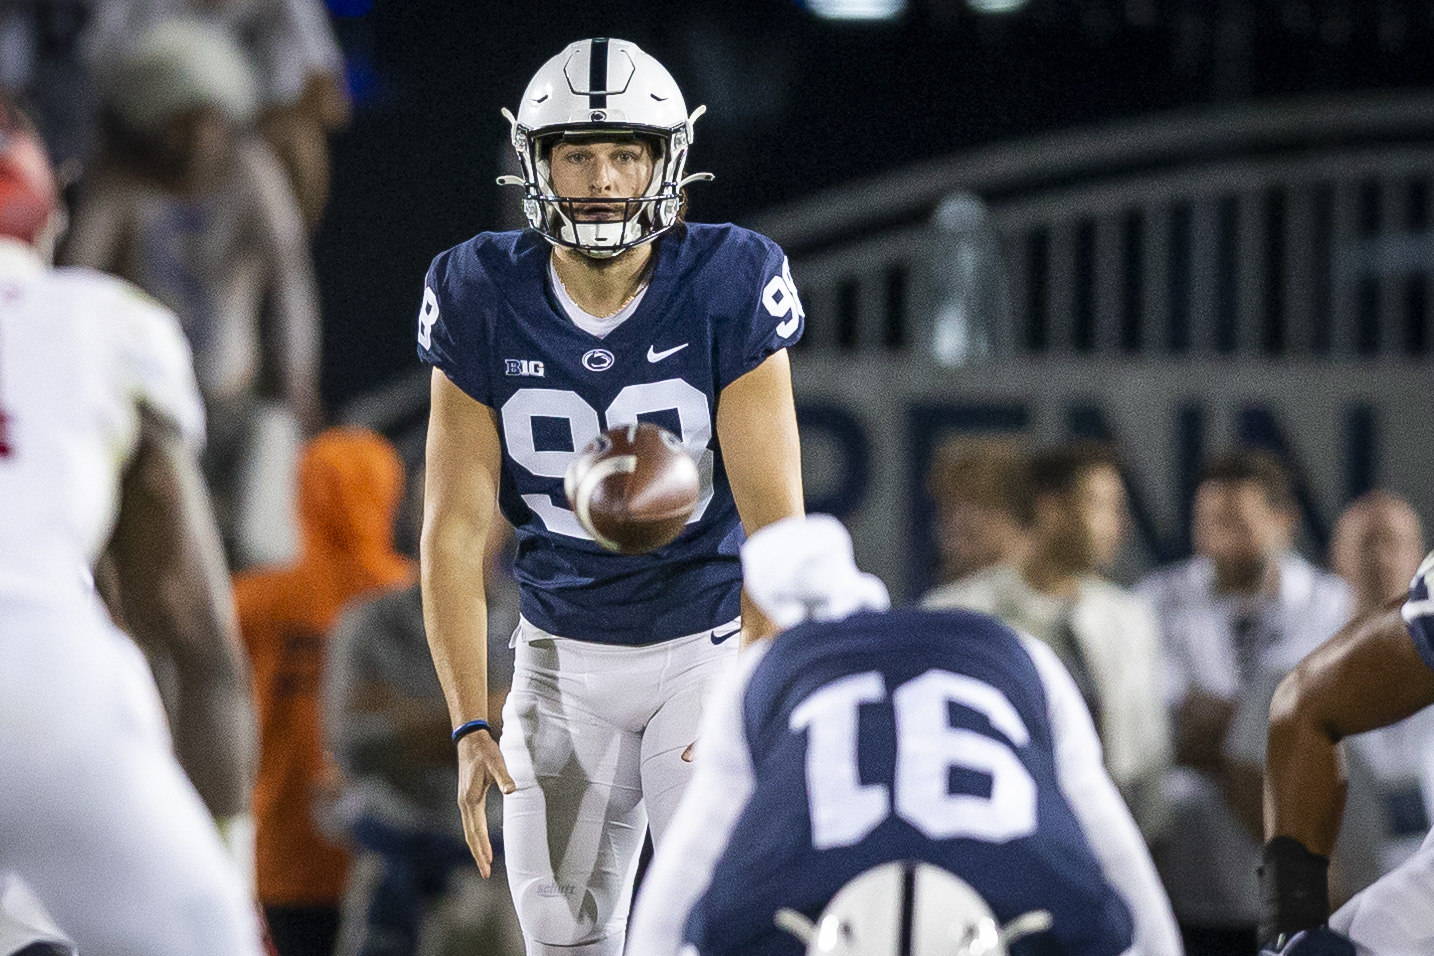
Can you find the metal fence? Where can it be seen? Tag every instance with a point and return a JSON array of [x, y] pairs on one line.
[[1286, 229]]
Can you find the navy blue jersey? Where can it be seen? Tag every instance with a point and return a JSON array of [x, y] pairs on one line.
[[908, 735], [1418, 610], [719, 302]]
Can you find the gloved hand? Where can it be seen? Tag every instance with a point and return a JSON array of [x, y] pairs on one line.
[[1320, 941]]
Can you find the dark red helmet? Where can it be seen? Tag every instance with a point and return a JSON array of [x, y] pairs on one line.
[[27, 184]]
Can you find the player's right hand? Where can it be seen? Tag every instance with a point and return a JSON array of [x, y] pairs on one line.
[[480, 764]]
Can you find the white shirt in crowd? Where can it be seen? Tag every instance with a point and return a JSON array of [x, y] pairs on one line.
[[1228, 646]]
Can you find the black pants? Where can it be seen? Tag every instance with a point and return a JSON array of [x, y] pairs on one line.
[[303, 930], [1205, 941]]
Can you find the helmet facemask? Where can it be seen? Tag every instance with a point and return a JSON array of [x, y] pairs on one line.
[[638, 217], [642, 218]]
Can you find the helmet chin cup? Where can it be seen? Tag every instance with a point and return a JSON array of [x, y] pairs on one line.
[[600, 239]]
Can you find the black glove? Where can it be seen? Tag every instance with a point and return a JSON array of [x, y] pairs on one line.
[[1294, 890]]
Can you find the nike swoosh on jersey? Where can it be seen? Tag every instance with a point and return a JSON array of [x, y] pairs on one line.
[[655, 356], [785, 329]]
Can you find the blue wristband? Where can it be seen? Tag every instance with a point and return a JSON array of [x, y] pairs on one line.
[[464, 730]]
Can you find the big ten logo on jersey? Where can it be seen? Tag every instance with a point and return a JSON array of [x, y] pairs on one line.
[[530, 368], [427, 316], [780, 298], [531, 410], [844, 810]]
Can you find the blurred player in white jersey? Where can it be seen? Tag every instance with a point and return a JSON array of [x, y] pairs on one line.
[[100, 421]]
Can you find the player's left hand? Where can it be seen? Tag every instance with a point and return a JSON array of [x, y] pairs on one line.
[[1320, 941]]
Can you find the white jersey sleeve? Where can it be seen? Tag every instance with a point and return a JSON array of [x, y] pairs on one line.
[[80, 354], [1108, 825], [157, 357], [705, 820]]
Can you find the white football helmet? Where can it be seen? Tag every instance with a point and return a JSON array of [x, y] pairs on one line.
[[599, 88], [908, 909]]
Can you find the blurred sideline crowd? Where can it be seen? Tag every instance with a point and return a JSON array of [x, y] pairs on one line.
[[193, 138], [1180, 671]]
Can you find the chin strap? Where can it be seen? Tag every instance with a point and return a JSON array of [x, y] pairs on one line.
[[511, 181], [696, 178]]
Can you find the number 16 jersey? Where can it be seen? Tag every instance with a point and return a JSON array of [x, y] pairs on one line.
[[941, 737], [719, 302]]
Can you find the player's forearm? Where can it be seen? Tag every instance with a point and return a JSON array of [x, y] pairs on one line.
[[455, 615], [214, 741], [757, 428], [1369, 675], [174, 589]]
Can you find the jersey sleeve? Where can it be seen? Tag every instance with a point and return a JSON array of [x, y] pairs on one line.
[[449, 329], [705, 821], [1108, 825], [773, 318], [1418, 610], [158, 363]]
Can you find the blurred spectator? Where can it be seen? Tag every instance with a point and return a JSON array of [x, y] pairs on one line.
[[1243, 611], [1377, 546], [976, 485], [42, 61], [387, 726], [1074, 522], [190, 206], [350, 485], [302, 95]]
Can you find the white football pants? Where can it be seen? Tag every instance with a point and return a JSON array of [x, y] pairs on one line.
[[95, 814], [593, 736], [1395, 915]]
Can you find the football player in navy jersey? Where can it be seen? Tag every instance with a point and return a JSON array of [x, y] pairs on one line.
[[608, 310], [861, 736], [1375, 672]]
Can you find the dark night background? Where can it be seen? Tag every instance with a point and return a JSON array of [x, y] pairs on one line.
[[796, 104]]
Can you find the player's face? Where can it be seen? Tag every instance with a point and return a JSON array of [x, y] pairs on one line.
[[600, 169]]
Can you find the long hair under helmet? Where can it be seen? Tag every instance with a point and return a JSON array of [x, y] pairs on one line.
[[602, 89]]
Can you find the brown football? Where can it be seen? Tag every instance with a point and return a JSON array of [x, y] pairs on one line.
[[633, 488]]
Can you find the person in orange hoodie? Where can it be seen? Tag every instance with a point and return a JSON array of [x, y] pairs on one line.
[[350, 484]]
